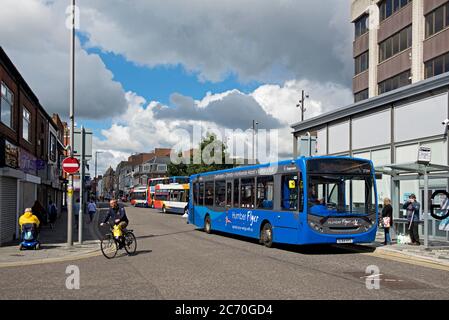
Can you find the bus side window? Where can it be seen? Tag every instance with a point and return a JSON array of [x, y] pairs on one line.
[[229, 194], [209, 194], [195, 193], [247, 193], [264, 196], [289, 192], [220, 193], [201, 195], [236, 193]]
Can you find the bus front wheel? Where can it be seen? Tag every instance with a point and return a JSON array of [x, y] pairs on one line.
[[266, 235], [164, 210], [207, 225]]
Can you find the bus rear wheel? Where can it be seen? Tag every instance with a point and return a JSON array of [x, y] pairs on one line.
[[207, 225], [266, 235]]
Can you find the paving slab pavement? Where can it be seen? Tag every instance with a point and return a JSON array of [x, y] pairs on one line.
[[54, 246], [438, 252]]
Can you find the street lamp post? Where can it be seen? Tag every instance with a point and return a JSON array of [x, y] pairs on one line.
[[301, 104], [96, 154], [72, 128], [255, 123]]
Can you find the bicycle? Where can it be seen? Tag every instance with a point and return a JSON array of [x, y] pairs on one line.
[[110, 244]]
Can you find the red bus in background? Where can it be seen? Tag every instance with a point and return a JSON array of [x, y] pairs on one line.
[[138, 196], [153, 182]]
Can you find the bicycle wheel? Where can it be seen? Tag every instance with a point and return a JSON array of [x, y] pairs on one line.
[[130, 243], [109, 246]]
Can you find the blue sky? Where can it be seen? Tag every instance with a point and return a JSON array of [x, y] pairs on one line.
[[158, 83]]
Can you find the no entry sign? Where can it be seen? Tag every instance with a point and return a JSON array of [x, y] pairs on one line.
[[70, 165]]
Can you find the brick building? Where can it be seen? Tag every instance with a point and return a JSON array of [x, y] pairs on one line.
[[30, 150]]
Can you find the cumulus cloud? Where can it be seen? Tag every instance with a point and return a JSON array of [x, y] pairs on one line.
[[263, 40], [147, 125], [233, 110], [34, 35]]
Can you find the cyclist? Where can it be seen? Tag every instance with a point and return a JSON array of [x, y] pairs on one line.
[[118, 215]]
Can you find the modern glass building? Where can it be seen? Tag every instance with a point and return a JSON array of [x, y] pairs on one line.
[[389, 129]]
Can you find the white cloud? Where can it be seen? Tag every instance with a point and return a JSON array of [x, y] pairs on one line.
[[139, 130], [34, 35], [260, 40]]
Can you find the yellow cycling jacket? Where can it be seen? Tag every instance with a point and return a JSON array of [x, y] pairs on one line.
[[28, 217]]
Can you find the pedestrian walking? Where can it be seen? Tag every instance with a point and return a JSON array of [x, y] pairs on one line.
[[91, 209], [387, 220], [52, 213], [412, 206], [39, 211]]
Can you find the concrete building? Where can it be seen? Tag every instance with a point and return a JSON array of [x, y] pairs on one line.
[[389, 129], [397, 43], [30, 150], [108, 180], [139, 168]]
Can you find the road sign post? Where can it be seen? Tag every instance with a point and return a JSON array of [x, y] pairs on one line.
[[82, 200], [70, 165]]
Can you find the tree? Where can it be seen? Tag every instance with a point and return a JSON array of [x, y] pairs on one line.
[[177, 169], [213, 157]]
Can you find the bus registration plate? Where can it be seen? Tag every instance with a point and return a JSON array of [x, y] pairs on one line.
[[345, 241]]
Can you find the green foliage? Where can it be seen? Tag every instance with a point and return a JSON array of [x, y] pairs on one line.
[[211, 144]]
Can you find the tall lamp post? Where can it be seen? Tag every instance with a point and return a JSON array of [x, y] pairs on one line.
[[254, 128], [301, 104], [72, 127], [96, 157], [96, 178]]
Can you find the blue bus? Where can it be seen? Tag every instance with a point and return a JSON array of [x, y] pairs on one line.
[[316, 200]]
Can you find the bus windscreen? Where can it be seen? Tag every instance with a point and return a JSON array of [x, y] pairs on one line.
[[342, 187]]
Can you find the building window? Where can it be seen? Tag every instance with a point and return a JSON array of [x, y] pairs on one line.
[[53, 146], [388, 7], [361, 26], [26, 125], [361, 63], [437, 66], [6, 106], [395, 44], [437, 20], [395, 82], [362, 95]]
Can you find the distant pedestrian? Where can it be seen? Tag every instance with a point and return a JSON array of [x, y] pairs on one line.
[[387, 220], [91, 209], [412, 206], [39, 211], [52, 213], [76, 209]]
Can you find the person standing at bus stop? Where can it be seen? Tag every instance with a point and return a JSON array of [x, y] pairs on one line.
[[387, 219], [412, 206]]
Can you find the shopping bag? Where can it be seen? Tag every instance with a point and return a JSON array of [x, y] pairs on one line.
[[386, 222]]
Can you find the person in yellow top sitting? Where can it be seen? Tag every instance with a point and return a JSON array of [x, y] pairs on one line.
[[28, 218]]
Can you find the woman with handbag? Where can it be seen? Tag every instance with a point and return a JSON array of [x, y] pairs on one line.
[[387, 219]]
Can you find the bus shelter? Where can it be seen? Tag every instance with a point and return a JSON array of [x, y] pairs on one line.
[[414, 171]]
